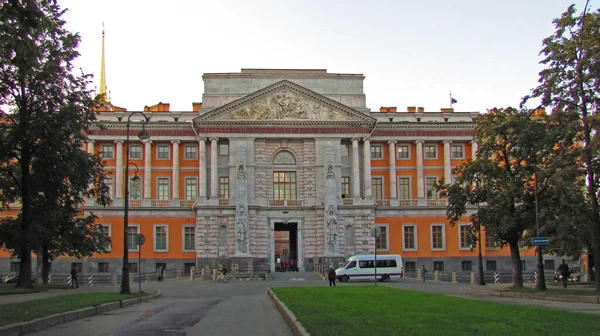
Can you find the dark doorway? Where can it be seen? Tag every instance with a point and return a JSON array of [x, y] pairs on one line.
[[286, 247]]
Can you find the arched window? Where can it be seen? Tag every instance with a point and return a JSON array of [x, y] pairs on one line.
[[284, 158]]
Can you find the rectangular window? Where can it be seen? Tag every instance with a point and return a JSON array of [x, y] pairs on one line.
[[191, 188], [464, 232], [163, 152], [466, 265], [133, 267], [403, 152], [410, 237], [489, 243], [438, 266], [163, 189], [490, 265], [376, 152], [381, 241], [458, 151], [377, 185], [224, 187], [160, 238], [404, 188], [103, 267], [135, 188], [14, 266], [105, 228], [189, 237], [135, 152], [523, 265], [284, 185], [110, 183], [346, 187], [224, 149], [431, 192], [410, 266], [431, 151], [549, 265], [190, 152], [107, 151], [132, 231], [437, 237], [78, 266]]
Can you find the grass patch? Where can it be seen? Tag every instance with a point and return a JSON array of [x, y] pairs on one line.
[[29, 310], [370, 310], [9, 289], [554, 291]]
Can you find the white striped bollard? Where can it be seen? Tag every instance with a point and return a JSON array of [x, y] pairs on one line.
[[91, 280], [69, 280], [535, 277], [496, 277], [49, 278]]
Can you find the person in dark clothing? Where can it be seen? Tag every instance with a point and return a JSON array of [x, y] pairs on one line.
[[423, 271], [563, 269], [331, 276], [74, 282]]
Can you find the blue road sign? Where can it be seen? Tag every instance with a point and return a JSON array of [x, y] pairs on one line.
[[539, 241]]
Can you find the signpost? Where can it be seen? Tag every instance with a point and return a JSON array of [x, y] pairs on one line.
[[539, 241], [140, 240], [375, 232]]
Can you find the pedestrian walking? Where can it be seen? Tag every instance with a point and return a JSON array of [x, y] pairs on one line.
[[159, 273], [74, 282], [331, 277], [563, 269], [423, 271]]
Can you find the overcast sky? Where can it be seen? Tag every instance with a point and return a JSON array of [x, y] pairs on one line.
[[413, 53]]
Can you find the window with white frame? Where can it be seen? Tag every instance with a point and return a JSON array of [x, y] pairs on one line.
[[489, 242], [110, 183], [135, 189], [191, 188], [409, 237], [404, 188], [458, 151], [438, 237], [161, 238], [381, 242], [431, 151], [105, 229], [377, 187], [346, 187], [376, 152], [190, 152], [431, 181], [132, 231], [107, 151], [189, 237], [163, 152], [464, 235], [163, 188], [135, 152], [403, 152], [224, 187], [224, 149]]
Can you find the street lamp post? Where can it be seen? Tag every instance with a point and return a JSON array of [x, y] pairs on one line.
[[540, 283], [481, 276], [143, 135]]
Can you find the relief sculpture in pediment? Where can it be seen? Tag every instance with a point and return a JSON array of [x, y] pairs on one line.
[[285, 105]]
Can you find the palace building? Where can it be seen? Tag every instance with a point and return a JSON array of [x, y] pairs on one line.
[[279, 163]]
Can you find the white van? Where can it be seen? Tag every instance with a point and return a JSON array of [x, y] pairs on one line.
[[363, 267]]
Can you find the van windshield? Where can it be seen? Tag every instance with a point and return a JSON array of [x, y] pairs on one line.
[[350, 264]]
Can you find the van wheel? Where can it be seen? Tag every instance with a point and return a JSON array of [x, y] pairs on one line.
[[385, 278], [345, 278]]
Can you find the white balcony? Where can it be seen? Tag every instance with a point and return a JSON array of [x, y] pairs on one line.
[[283, 203]]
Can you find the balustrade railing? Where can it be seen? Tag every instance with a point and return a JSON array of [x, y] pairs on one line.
[[288, 202]]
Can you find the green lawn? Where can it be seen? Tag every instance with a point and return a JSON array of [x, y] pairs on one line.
[[370, 310], [8, 289], [29, 310]]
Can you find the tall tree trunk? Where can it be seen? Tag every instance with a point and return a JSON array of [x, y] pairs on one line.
[[515, 257], [45, 264], [590, 267]]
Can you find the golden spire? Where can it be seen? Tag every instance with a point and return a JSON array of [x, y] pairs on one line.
[[103, 71]]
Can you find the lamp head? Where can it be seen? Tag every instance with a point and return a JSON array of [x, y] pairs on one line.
[[143, 135]]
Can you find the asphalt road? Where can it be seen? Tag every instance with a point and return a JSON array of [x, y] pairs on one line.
[[238, 308]]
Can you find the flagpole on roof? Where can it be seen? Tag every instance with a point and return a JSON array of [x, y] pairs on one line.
[[450, 99]]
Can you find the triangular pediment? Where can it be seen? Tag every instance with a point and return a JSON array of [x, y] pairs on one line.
[[284, 101]]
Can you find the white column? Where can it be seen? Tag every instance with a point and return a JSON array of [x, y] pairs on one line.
[[392, 152], [119, 174], [355, 169], [175, 195], [368, 192], [420, 181], [90, 148], [474, 149], [214, 174], [447, 162], [202, 171], [148, 171]]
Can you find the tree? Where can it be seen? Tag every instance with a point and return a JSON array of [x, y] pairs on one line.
[[521, 158], [44, 129], [570, 83]]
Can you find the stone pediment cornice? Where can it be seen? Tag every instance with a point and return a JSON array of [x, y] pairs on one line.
[[425, 126], [284, 104]]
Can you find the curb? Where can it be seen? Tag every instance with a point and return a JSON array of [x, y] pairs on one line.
[[288, 316], [41, 323], [536, 296]]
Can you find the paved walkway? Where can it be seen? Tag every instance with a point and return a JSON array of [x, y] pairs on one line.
[[13, 298]]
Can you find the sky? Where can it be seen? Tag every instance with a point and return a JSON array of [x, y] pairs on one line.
[[412, 53]]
